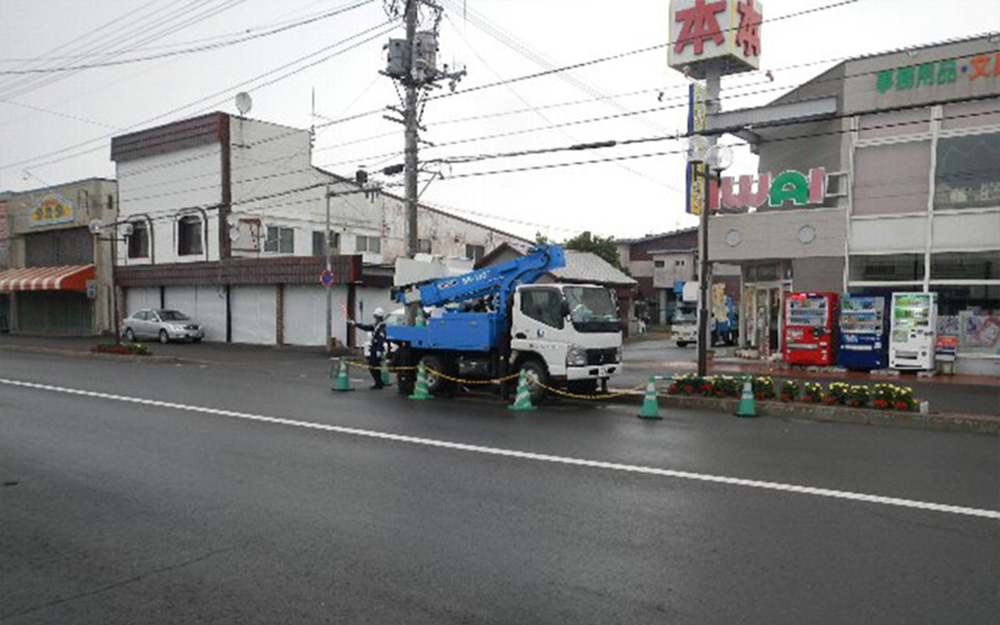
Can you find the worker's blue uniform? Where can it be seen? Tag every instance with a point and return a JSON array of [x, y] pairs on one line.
[[376, 349]]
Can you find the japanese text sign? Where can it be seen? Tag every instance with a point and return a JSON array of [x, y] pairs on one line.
[[52, 209], [725, 32], [921, 76]]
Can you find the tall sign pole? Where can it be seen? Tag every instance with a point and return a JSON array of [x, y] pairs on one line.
[[710, 39]]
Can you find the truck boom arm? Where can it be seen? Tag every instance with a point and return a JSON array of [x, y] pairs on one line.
[[498, 279]]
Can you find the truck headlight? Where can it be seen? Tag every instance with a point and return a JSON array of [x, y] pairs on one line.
[[576, 356]]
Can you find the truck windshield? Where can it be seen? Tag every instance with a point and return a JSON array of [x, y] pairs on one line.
[[592, 309], [685, 315]]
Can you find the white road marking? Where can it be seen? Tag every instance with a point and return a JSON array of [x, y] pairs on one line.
[[525, 455]]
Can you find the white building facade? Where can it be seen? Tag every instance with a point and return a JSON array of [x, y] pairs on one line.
[[224, 218]]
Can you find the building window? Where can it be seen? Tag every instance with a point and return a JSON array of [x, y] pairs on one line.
[[319, 246], [968, 172], [475, 252], [892, 179], [138, 241], [189, 236], [368, 244], [659, 264], [966, 266], [679, 263], [424, 246], [280, 240], [887, 268]]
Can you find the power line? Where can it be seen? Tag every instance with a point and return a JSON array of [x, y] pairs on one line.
[[381, 29], [201, 48]]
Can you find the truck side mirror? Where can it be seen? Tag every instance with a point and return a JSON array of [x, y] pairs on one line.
[[564, 309]]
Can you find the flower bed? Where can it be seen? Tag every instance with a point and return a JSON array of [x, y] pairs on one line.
[[879, 396], [122, 349]]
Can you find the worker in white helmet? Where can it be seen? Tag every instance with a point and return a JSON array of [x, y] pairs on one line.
[[377, 349]]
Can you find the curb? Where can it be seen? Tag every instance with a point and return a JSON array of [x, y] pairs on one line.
[[75, 353], [953, 422]]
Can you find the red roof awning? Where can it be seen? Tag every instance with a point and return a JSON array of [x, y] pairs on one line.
[[63, 278]]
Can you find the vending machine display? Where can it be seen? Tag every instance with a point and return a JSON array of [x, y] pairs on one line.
[[810, 337], [863, 340], [914, 328]]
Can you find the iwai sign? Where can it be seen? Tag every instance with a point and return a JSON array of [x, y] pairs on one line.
[[754, 191]]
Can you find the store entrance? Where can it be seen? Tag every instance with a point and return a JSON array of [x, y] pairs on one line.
[[764, 328]]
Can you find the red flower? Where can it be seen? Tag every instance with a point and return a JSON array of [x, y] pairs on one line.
[[759, 395], [881, 403], [902, 405], [672, 389]]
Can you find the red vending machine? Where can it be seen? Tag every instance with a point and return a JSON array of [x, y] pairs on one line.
[[810, 320]]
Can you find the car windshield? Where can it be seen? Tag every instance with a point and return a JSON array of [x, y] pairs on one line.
[[591, 309], [172, 315]]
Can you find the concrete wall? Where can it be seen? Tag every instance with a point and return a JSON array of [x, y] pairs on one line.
[[776, 235], [818, 274], [165, 187]]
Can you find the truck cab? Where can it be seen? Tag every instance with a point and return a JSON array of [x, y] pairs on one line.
[[573, 329]]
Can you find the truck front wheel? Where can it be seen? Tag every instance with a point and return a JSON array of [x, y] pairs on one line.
[[537, 377], [434, 365]]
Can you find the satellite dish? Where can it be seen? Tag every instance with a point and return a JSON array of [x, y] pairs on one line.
[[243, 102], [95, 226]]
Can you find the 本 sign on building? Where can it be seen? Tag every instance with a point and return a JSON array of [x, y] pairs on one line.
[[722, 32], [51, 209]]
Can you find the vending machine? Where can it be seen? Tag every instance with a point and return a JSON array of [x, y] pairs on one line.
[[810, 330], [863, 329], [914, 328]]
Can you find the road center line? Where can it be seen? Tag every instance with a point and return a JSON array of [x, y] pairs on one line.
[[525, 455]]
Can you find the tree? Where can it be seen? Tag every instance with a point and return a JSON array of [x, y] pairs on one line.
[[605, 247]]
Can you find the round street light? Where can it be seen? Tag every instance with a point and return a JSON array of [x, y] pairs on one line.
[[698, 148], [720, 158]]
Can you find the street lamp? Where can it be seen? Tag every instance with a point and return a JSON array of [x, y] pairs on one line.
[[702, 150]]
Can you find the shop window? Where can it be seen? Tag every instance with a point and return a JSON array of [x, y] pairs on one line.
[[475, 252], [280, 240], [966, 266], [189, 239], [368, 244], [972, 313], [544, 305], [892, 179], [979, 299], [319, 245], [968, 172], [887, 268], [138, 241], [659, 263]]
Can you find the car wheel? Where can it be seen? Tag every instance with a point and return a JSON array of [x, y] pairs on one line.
[[432, 363], [129, 335], [196, 339], [537, 377], [164, 337]]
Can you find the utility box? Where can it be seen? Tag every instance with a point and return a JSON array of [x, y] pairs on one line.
[[398, 58], [426, 49]]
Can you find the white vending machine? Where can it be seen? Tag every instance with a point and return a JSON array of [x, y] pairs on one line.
[[914, 329]]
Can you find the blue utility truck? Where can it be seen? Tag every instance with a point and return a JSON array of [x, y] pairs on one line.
[[500, 320]]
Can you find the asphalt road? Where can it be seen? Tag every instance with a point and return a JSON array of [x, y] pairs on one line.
[[190, 505]]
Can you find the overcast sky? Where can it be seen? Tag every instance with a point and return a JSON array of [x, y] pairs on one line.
[[55, 127]]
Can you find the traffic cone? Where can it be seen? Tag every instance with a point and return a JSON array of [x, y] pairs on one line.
[[420, 386], [747, 406], [421, 320], [386, 379], [341, 383], [522, 401], [650, 407]]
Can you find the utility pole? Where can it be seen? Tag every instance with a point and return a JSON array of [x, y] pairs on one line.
[[411, 159], [713, 79]]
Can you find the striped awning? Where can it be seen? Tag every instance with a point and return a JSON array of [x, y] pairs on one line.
[[63, 278]]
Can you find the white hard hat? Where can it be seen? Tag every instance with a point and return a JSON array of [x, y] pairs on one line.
[[378, 312]]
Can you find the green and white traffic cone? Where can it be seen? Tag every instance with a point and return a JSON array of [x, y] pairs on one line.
[[420, 386], [650, 408], [420, 320], [386, 379], [747, 406], [341, 383], [522, 401]]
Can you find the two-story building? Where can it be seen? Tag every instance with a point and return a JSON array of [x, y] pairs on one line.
[[895, 189], [227, 220], [59, 275]]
